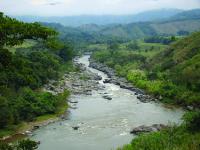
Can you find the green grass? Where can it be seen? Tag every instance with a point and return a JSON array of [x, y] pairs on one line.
[[96, 47], [173, 138], [6, 132]]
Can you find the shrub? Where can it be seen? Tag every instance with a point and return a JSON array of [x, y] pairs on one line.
[[192, 120]]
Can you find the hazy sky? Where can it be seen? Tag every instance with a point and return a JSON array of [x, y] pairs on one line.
[[94, 7]]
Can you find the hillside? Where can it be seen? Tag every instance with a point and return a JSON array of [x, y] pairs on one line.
[[182, 61], [171, 75], [179, 68], [140, 30], [93, 33], [75, 21], [191, 14]]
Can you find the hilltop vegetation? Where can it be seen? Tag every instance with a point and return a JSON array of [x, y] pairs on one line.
[[24, 70], [172, 74]]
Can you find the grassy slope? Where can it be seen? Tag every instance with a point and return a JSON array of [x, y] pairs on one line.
[[182, 63], [171, 72], [176, 26]]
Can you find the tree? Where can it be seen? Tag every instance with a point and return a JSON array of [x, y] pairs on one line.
[[133, 45], [13, 32], [113, 47], [21, 145], [27, 145], [5, 58], [5, 113], [66, 53]]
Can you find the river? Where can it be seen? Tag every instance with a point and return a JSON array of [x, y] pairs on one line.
[[104, 124]]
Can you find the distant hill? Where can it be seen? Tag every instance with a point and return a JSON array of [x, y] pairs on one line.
[[104, 19], [191, 14], [182, 23], [92, 33]]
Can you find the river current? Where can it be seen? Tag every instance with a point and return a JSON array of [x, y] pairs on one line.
[[104, 124]]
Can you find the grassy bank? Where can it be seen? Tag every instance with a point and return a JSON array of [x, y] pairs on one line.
[[183, 137], [173, 138]]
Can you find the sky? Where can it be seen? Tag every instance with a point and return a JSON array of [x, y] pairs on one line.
[[90, 7]]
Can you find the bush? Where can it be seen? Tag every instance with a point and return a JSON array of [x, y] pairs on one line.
[[5, 113], [21, 145], [173, 138], [192, 120]]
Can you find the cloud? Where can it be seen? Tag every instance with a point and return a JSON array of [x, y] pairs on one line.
[[38, 2], [45, 2], [78, 7], [55, 3]]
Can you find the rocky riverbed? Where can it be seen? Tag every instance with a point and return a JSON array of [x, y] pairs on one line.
[[122, 82], [78, 83]]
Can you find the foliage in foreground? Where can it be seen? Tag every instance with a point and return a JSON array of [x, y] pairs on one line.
[[21, 145], [25, 70], [185, 137]]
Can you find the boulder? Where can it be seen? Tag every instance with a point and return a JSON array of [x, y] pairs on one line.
[[97, 77], [144, 98], [36, 127], [107, 81], [146, 129], [76, 127], [73, 102], [107, 97]]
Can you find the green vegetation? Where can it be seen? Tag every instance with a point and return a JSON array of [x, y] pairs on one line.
[[163, 40], [126, 56], [181, 24], [25, 68], [184, 137], [171, 75], [21, 145]]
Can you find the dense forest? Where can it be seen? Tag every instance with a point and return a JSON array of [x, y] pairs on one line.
[[24, 71]]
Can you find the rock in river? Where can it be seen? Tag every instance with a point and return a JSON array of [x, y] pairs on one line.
[[107, 97], [145, 129], [76, 127]]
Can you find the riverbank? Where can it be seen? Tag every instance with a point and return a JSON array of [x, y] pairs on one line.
[[122, 82], [142, 94], [25, 129], [81, 82]]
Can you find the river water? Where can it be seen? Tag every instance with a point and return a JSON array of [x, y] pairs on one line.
[[104, 124]]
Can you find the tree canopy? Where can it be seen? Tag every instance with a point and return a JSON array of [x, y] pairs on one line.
[[13, 32]]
